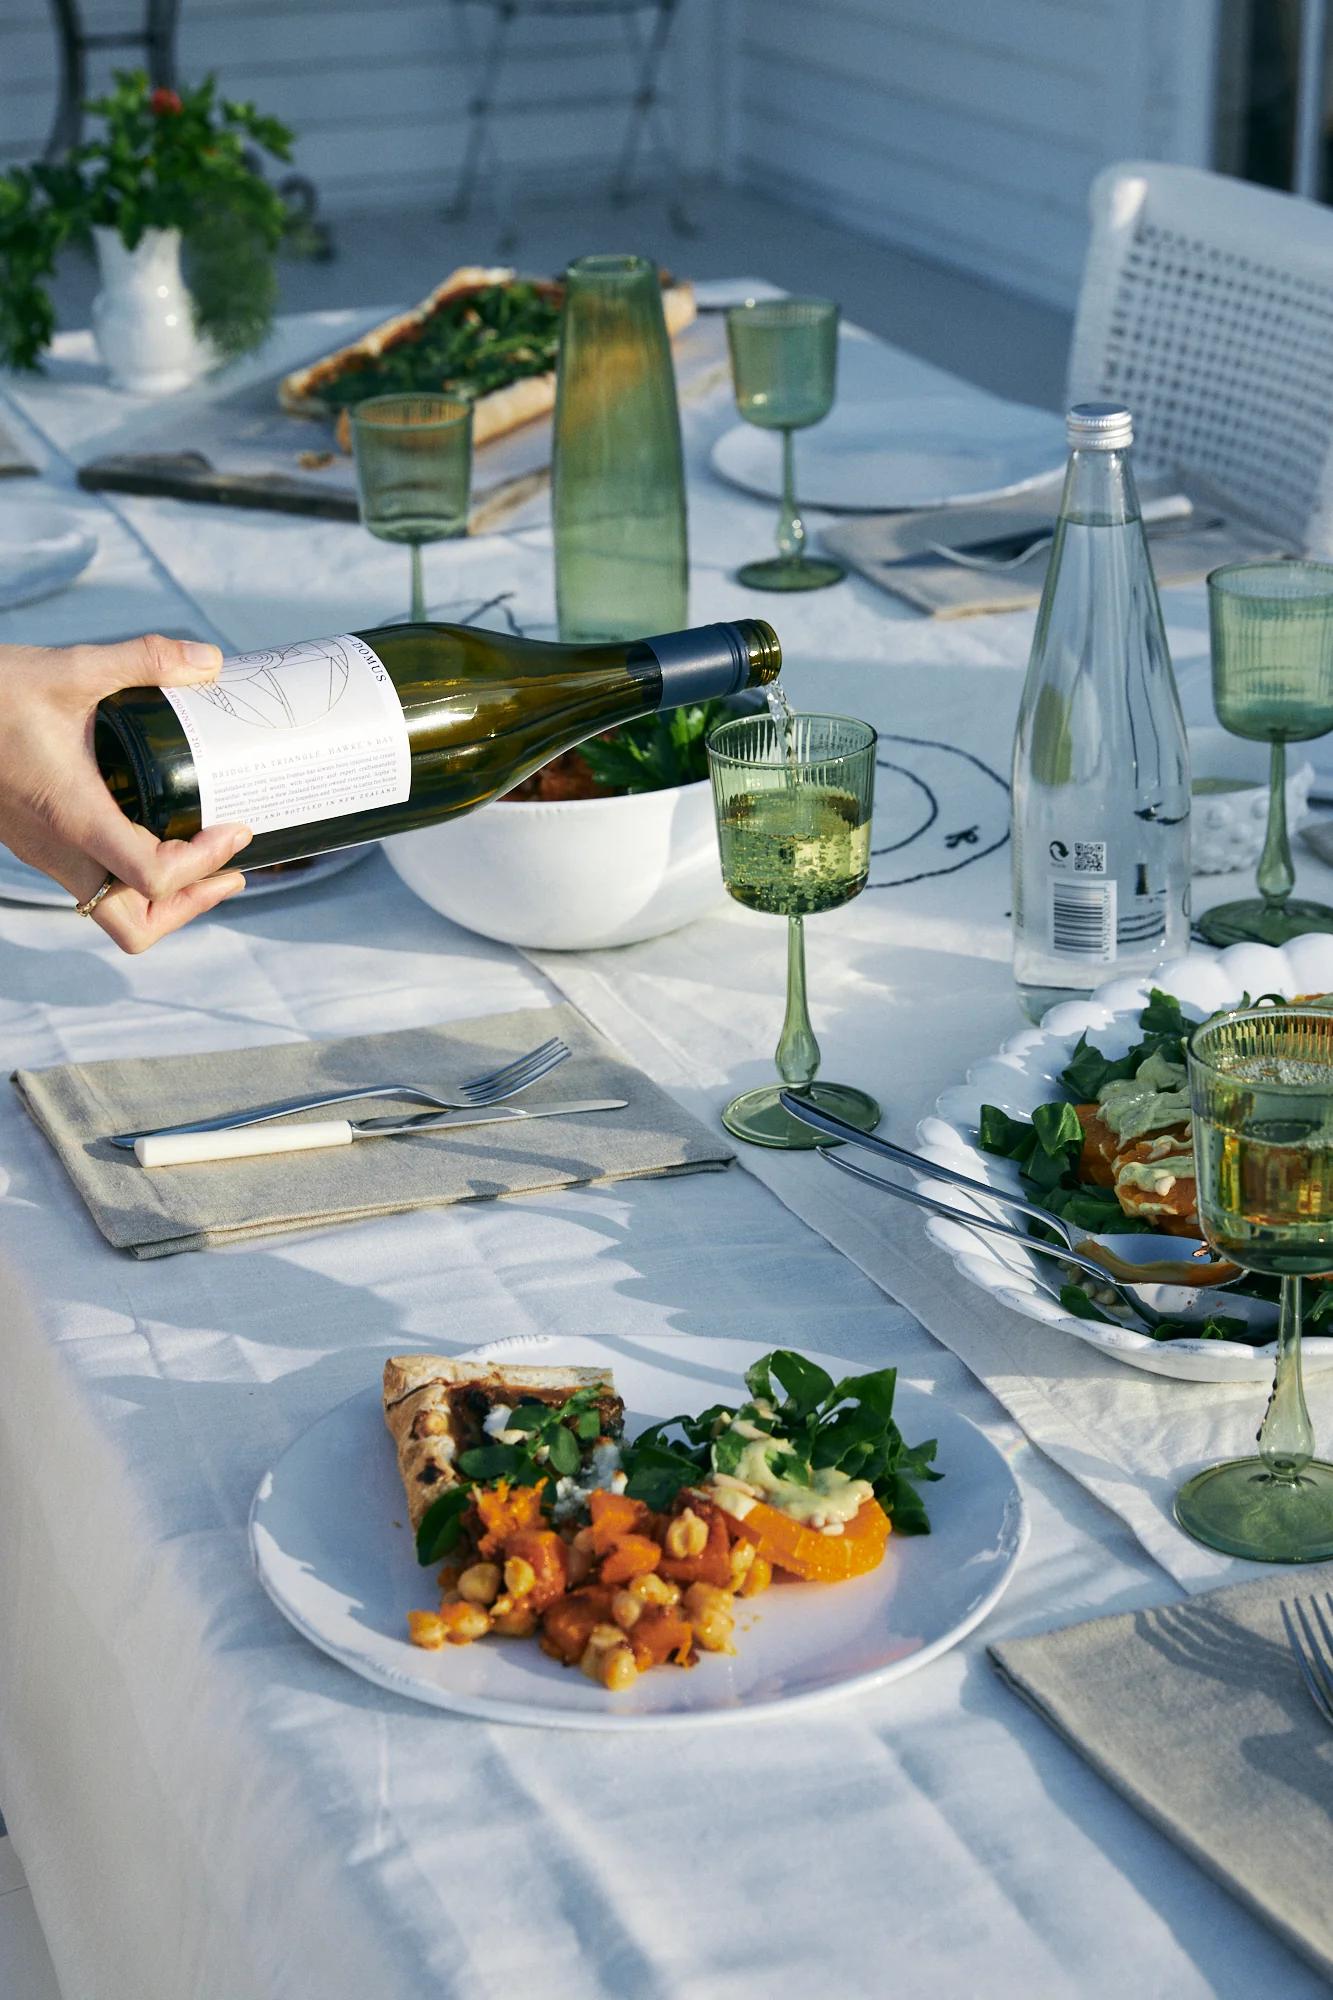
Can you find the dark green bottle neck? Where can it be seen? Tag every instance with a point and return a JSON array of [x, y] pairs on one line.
[[711, 662]]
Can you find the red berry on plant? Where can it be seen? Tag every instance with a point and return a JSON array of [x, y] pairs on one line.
[[165, 103]]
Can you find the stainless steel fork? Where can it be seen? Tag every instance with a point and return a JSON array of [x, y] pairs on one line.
[[492, 1088], [1313, 1650]]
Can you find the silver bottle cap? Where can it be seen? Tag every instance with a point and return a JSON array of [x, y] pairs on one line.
[[1099, 427]]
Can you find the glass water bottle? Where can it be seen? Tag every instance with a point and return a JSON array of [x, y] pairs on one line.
[[1101, 783]]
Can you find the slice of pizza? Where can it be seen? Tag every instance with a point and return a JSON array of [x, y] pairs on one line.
[[436, 1408], [485, 334]]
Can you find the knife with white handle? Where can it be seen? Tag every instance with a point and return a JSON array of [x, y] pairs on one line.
[[182, 1149]]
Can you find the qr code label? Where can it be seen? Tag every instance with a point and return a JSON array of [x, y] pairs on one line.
[[1089, 857]]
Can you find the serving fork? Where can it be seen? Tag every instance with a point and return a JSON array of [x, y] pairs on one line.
[[491, 1088], [1174, 1249], [1312, 1650], [1146, 1316]]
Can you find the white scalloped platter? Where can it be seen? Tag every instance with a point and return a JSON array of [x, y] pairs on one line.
[[1026, 1072]]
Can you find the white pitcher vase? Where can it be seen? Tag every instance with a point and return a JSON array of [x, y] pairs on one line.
[[142, 319]]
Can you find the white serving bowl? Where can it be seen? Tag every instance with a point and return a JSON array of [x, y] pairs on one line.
[[570, 874], [1227, 828]]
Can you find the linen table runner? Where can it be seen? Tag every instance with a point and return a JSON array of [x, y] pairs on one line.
[[1197, 1714], [155, 1213]]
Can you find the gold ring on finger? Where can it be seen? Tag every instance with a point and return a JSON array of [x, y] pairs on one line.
[[100, 893]]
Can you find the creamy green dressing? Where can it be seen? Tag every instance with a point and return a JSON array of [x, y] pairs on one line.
[[1150, 1102], [1157, 1176], [831, 1496]]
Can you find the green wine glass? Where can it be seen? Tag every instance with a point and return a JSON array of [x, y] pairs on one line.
[[793, 809], [784, 363], [413, 473], [1261, 1090], [1272, 644]]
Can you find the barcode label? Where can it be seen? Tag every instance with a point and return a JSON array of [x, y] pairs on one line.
[[1083, 920]]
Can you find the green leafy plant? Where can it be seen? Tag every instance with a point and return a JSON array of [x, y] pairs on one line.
[[814, 1423], [656, 752], [164, 159]]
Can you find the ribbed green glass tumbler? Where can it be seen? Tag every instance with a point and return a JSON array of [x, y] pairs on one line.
[[413, 473], [784, 364], [1261, 1091], [793, 824], [1272, 643]]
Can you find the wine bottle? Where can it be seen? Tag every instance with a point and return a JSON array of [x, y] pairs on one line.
[[329, 742]]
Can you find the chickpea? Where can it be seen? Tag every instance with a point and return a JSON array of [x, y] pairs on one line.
[[713, 1632], [626, 1609], [464, 1622], [742, 1561], [619, 1669], [480, 1584], [520, 1576], [705, 1600], [425, 1628], [578, 1564], [687, 1535], [757, 1577], [519, 1621], [654, 1589]]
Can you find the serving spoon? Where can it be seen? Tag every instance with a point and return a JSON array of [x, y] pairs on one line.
[[1112, 1252]]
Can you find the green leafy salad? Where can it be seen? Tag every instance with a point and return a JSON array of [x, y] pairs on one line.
[[809, 1431], [657, 751], [799, 1438], [1047, 1150], [480, 341]]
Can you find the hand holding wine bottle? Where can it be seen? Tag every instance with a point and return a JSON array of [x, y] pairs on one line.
[[58, 815]]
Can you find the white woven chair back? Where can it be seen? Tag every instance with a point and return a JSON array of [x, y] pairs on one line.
[[1207, 308]]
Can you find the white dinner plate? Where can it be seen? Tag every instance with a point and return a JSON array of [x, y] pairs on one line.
[[331, 1545], [1026, 1072], [885, 452], [21, 884], [42, 548]]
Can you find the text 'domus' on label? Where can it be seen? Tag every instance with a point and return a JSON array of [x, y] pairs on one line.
[[296, 734]]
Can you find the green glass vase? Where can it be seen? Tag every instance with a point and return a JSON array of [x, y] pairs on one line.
[[617, 473]]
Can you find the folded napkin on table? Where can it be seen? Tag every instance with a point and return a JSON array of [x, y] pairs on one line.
[[153, 1213], [892, 549], [1197, 1714]]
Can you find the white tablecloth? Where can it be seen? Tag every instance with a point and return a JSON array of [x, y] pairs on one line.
[[207, 1807]]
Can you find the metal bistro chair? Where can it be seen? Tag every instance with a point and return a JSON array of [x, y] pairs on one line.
[[644, 122], [1207, 308]]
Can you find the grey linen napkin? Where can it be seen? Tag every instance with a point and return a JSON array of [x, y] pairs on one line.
[[155, 1213], [1197, 1714], [891, 549]]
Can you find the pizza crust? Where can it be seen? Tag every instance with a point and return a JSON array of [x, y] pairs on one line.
[[493, 415]]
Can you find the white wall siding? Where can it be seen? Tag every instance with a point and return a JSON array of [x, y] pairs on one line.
[[968, 131], [378, 93]]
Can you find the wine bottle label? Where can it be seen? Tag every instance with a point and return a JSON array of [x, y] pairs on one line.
[[295, 734]]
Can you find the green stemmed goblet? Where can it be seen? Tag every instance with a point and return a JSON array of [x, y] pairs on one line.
[[793, 824], [1272, 643], [413, 473], [1261, 1090], [784, 363]]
